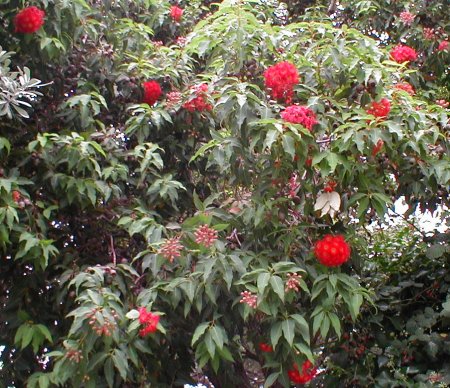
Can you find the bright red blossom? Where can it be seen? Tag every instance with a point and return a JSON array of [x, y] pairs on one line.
[[176, 13], [380, 109], [406, 87], [29, 20], [200, 102], [152, 92], [296, 114], [280, 79], [307, 374], [148, 320], [402, 53], [332, 251], [443, 45], [16, 196], [407, 17], [266, 348]]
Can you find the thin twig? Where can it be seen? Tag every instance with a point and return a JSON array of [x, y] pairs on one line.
[[113, 251]]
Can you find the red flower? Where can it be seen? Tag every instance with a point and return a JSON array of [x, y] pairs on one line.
[[299, 115], [406, 87], [148, 320], [402, 53], [332, 251], [29, 20], [266, 348], [280, 79], [377, 148], [152, 92], [407, 17], [308, 373], [200, 102], [330, 187], [205, 235], [380, 109], [429, 33], [176, 13], [443, 45]]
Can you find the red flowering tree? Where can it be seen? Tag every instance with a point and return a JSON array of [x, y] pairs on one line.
[[198, 192]]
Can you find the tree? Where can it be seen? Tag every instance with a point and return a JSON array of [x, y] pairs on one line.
[[189, 191]]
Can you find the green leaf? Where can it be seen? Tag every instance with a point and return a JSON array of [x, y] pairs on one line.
[[262, 282], [121, 362], [288, 327], [200, 329], [132, 314], [218, 335], [289, 145], [278, 286], [108, 370], [271, 379], [302, 326], [275, 333], [210, 344], [335, 323]]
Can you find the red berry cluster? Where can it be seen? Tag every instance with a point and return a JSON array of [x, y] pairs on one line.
[[332, 251], [176, 13], [380, 109], [152, 92], [307, 374], [205, 235], [103, 326], [74, 355], [29, 20], [402, 53], [406, 87], [292, 282], [280, 79], [249, 299], [171, 248], [200, 102], [148, 320], [296, 114]]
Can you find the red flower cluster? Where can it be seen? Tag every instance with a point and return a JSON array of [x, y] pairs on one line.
[[296, 114], [380, 109], [205, 235], [281, 79], [152, 92], [171, 248], [200, 102], [176, 13], [148, 320], [331, 185], [443, 45], [406, 87], [266, 348], [402, 53], [332, 251], [292, 282], [29, 20], [407, 17], [308, 373]]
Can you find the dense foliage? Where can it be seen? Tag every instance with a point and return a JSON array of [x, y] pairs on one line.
[[204, 192]]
